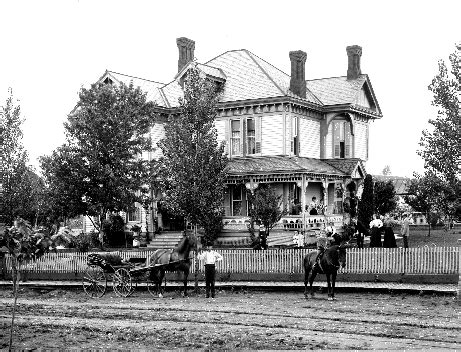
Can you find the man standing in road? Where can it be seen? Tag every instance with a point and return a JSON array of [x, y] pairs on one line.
[[210, 257]]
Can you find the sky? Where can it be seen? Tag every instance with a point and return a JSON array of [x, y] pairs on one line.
[[50, 49]]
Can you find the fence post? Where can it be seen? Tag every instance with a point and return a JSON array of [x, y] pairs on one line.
[[458, 293]]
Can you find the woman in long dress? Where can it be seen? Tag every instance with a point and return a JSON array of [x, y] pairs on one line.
[[375, 232]]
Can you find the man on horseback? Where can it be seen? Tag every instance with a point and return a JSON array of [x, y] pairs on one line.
[[323, 242]]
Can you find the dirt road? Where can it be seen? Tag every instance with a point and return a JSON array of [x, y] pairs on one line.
[[234, 320]]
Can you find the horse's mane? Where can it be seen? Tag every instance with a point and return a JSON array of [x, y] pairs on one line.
[[183, 245]]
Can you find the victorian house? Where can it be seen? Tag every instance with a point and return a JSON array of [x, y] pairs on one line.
[[306, 138]]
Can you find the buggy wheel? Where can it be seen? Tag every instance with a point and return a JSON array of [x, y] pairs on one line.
[[94, 281], [122, 284]]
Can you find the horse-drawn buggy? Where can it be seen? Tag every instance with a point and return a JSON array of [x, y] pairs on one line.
[[127, 274]]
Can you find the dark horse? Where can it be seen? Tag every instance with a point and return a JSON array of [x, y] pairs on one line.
[[332, 259], [176, 259]]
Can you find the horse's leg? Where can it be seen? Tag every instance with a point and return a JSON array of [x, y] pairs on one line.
[[311, 281], [330, 298], [159, 283], [186, 274], [333, 281], [306, 279]]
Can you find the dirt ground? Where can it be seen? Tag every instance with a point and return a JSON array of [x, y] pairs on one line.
[[232, 321]]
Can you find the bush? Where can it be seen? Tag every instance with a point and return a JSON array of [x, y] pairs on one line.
[[113, 229], [82, 242]]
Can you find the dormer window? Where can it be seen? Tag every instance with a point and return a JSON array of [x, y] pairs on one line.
[[342, 139], [108, 81]]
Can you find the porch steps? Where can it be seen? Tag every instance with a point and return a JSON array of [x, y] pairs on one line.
[[165, 240], [280, 238]]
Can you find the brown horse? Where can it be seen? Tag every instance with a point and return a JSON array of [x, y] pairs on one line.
[[176, 259], [332, 259]]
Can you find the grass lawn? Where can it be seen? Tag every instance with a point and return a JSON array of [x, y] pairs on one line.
[[439, 238]]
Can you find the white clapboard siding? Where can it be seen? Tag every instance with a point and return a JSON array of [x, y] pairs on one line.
[[329, 142], [309, 138], [288, 134], [360, 139], [426, 260], [220, 126], [271, 135], [157, 133], [362, 99]]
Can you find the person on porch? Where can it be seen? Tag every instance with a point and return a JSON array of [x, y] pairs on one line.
[[313, 206]]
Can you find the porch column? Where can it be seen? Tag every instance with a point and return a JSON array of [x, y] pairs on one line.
[[325, 184], [304, 183]]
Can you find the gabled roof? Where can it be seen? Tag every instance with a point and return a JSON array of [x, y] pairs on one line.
[[340, 90], [151, 88], [209, 71], [400, 183], [259, 165], [248, 77], [349, 167]]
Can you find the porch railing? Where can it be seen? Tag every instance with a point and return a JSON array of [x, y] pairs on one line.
[[289, 222]]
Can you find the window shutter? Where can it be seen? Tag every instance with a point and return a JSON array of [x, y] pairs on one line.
[[258, 134], [243, 137], [299, 145], [226, 136], [336, 140], [347, 140], [337, 150]]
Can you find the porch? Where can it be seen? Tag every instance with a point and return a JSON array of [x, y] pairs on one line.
[[303, 222]]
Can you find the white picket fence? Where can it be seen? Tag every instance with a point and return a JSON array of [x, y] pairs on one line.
[[426, 260]]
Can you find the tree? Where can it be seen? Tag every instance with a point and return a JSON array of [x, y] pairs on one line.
[[21, 188], [193, 165], [424, 194], [99, 168], [265, 208], [22, 244], [385, 200], [366, 203], [441, 147]]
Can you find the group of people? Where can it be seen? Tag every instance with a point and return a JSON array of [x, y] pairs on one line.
[[312, 208], [379, 226]]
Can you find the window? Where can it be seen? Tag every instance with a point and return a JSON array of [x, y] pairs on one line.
[[251, 136], [342, 139], [236, 201], [134, 214], [294, 134], [235, 137]]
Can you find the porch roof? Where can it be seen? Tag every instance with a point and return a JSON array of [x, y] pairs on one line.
[[263, 165], [347, 166]]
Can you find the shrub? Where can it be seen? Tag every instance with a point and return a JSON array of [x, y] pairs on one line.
[[82, 242]]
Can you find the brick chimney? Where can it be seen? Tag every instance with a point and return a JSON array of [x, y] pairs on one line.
[[186, 51], [298, 73], [354, 52]]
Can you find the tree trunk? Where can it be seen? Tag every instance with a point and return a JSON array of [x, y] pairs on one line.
[[196, 261], [429, 222], [15, 295]]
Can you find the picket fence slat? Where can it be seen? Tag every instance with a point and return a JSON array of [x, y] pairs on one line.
[[425, 260]]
